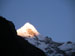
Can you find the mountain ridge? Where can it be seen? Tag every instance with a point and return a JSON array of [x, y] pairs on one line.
[[51, 47], [46, 44]]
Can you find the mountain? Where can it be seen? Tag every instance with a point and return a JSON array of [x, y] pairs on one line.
[[52, 48], [69, 48], [46, 44], [27, 30], [13, 45]]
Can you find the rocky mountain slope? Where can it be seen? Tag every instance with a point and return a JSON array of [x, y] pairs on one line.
[[52, 48], [46, 44]]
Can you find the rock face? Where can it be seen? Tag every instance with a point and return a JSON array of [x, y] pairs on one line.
[[52, 48], [13, 45]]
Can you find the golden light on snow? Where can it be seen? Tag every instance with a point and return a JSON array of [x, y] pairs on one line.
[[28, 30]]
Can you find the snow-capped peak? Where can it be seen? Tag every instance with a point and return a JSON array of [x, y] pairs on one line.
[[50, 47], [27, 30]]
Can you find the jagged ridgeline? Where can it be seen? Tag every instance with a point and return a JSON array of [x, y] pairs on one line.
[[12, 44], [52, 48], [46, 44]]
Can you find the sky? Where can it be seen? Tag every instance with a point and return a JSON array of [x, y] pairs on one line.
[[53, 18]]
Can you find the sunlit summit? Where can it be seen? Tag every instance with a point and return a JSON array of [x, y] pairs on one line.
[[28, 30]]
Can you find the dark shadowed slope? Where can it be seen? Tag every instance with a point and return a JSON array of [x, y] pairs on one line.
[[13, 45]]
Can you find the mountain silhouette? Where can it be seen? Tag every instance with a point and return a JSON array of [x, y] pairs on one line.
[[13, 45]]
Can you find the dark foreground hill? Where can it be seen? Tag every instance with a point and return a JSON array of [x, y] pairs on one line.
[[13, 45]]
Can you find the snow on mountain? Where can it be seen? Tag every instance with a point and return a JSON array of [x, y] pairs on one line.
[[47, 45], [50, 47], [68, 47], [27, 30]]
